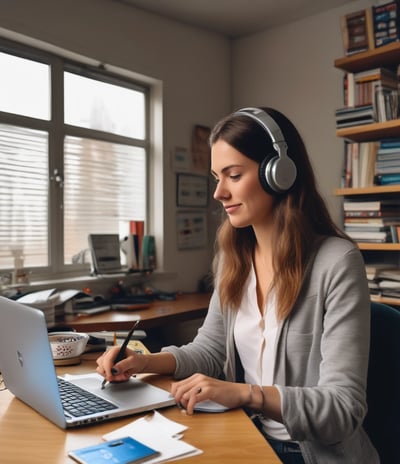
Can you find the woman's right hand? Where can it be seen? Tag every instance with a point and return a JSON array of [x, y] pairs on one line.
[[133, 363]]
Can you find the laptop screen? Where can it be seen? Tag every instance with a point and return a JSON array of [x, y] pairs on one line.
[[106, 253]]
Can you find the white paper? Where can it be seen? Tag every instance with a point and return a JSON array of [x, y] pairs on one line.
[[38, 297], [159, 433]]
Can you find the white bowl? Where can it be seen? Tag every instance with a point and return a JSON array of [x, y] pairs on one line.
[[65, 345]]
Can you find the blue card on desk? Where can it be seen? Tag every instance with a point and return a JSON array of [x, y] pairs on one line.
[[125, 450]]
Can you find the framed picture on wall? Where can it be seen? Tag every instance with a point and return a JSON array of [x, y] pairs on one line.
[[191, 190], [181, 160], [201, 148], [191, 230]]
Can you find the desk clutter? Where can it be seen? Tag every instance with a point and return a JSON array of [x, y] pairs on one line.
[[159, 433], [68, 346], [56, 304], [151, 439]]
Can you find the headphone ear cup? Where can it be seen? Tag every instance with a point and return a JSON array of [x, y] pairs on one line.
[[263, 173], [277, 175]]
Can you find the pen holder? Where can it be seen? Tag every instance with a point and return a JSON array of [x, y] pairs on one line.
[[67, 347]]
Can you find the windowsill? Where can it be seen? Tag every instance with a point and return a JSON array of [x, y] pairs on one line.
[[102, 282]]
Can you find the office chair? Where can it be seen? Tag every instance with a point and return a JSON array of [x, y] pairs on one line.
[[382, 422]]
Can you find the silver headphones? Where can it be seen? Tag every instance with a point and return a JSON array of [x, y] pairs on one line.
[[277, 171]]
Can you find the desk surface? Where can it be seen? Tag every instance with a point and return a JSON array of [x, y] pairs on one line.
[[185, 307], [25, 436]]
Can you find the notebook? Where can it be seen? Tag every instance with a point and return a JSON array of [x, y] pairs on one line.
[[26, 364]]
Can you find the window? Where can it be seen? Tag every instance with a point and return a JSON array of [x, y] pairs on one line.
[[73, 159]]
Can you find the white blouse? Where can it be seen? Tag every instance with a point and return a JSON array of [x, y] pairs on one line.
[[255, 337]]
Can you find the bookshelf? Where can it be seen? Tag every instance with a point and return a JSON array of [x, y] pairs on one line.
[[370, 132], [385, 56]]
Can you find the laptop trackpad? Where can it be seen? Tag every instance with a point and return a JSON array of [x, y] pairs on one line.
[[131, 394]]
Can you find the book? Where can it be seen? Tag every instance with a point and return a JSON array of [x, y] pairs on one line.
[[366, 236], [390, 143], [371, 213], [372, 221], [365, 228], [354, 116], [390, 284], [371, 205], [357, 31], [392, 273], [124, 450], [385, 23], [348, 90], [388, 179], [374, 271], [137, 231], [149, 252]]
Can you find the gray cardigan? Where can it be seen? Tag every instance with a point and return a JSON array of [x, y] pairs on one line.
[[321, 357]]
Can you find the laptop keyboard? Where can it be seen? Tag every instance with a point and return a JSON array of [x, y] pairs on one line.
[[78, 402]]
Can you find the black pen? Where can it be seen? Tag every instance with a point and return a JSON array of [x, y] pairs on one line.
[[122, 351]]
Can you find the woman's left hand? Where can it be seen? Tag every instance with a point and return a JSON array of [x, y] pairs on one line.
[[199, 387]]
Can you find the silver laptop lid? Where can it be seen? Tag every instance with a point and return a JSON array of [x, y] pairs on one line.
[[26, 361]]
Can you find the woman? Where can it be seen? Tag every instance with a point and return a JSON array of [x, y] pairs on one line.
[[287, 331]]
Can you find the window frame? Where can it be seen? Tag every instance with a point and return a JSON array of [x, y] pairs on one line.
[[57, 130]]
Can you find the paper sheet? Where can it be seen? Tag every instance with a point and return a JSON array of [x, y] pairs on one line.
[[159, 433]]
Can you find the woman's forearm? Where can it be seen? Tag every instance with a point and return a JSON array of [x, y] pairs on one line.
[[159, 363]]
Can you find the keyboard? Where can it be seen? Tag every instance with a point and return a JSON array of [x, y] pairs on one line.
[[78, 402]]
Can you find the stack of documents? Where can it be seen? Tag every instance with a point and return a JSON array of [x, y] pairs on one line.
[[159, 433]]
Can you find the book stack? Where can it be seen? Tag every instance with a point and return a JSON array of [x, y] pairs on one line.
[[389, 283], [374, 221], [140, 252], [374, 275], [378, 87], [386, 23], [358, 31], [388, 162], [359, 164], [383, 279], [354, 116], [362, 86]]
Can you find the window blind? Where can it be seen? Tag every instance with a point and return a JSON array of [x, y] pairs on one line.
[[23, 195], [104, 189]]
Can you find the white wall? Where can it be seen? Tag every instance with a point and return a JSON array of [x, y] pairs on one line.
[[291, 69], [193, 65]]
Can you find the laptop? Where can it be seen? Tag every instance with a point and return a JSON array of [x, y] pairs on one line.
[[106, 254], [26, 364]]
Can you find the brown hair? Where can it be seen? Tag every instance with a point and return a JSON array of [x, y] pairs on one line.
[[300, 215]]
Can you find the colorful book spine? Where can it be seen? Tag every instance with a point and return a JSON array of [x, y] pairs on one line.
[[149, 253], [386, 23]]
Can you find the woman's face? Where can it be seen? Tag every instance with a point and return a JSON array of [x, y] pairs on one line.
[[238, 187]]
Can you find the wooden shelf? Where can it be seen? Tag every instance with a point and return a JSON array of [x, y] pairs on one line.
[[386, 300], [369, 132], [386, 56], [373, 190], [379, 246]]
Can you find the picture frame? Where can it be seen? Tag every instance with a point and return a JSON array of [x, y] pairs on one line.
[[191, 190], [191, 227], [200, 148]]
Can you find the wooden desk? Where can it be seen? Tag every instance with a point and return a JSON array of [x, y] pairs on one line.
[[25, 436], [185, 307]]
